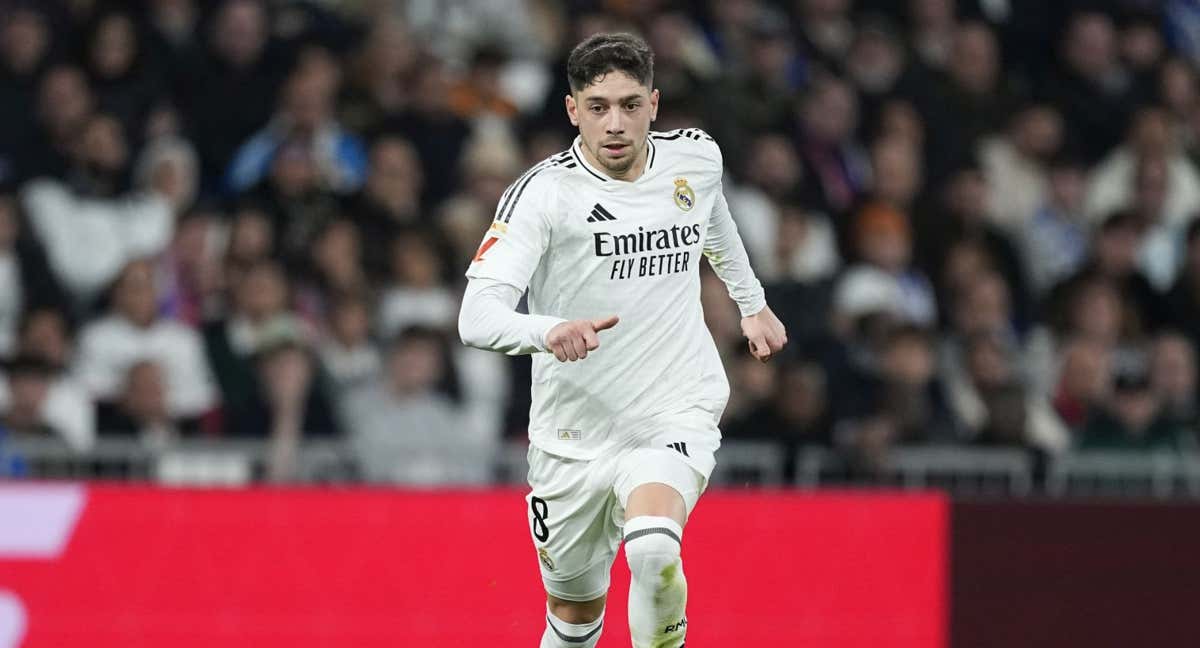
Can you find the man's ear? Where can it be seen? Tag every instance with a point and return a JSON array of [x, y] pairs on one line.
[[654, 104], [572, 110]]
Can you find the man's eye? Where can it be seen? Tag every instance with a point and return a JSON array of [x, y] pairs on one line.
[[597, 109], [632, 107]]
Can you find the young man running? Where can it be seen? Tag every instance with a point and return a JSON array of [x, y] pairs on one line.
[[627, 384]]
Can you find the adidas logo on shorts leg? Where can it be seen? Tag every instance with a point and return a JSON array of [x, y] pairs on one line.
[[680, 447]]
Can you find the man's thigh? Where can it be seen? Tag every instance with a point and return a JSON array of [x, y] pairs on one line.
[[571, 512], [682, 462]]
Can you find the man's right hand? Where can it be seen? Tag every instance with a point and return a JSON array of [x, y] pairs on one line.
[[572, 340]]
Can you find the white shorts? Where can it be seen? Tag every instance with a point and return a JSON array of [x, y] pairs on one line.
[[576, 508]]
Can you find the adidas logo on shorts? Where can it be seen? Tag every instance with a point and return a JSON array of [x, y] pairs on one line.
[[680, 447]]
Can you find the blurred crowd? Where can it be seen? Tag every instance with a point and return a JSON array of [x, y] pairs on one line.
[[250, 218]]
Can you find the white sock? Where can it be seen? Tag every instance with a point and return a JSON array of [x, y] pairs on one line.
[[658, 590], [560, 634]]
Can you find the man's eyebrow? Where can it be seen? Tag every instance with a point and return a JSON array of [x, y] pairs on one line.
[[624, 99]]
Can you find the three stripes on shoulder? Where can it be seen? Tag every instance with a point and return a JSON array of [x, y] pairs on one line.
[[691, 133], [508, 204]]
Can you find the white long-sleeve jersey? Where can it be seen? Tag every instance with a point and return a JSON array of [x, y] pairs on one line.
[[587, 246]]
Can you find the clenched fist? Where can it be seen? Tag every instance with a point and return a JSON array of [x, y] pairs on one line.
[[572, 340], [765, 333]]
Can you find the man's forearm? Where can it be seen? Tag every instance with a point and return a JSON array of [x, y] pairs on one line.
[[727, 255], [488, 320]]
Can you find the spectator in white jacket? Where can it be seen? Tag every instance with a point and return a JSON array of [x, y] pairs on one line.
[[36, 401], [133, 332], [1113, 185], [89, 239], [1015, 165]]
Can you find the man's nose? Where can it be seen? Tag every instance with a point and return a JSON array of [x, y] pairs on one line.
[[615, 125]]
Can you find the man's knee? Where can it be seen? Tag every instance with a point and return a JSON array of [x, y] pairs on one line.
[[653, 548], [576, 612]]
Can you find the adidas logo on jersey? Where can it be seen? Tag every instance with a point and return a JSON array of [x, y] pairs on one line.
[[680, 447], [600, 214]]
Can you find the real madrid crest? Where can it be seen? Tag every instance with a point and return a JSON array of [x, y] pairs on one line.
[[685, 198], [545, 557]]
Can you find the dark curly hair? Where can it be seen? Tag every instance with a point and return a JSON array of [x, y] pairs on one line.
[[600, 54]]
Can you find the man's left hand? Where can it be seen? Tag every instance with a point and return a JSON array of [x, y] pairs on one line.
[[765, 333]]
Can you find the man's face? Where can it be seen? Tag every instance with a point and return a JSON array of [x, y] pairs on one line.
[[65, 100], [45, 336], [886, 247], [774, 164], [115, 46], [294, 171], [897, 171], [974, 63], [24, 40], [967, 195], [351, 323], [909, 361], [241, 32], [613, 115], [308, 101], [29, 390], [415, 366], [262, 293], [1067, 187], [146, 391], [135, 294], [1091, 45], [831, 113], [104, 145]]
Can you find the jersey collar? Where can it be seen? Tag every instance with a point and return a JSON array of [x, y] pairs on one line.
[[581, 159]]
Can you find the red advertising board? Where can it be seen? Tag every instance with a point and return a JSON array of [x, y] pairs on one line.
[[144, 566]]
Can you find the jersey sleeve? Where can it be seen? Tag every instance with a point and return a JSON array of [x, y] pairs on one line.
[[727, 254], [513, 246], [488, 320]]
